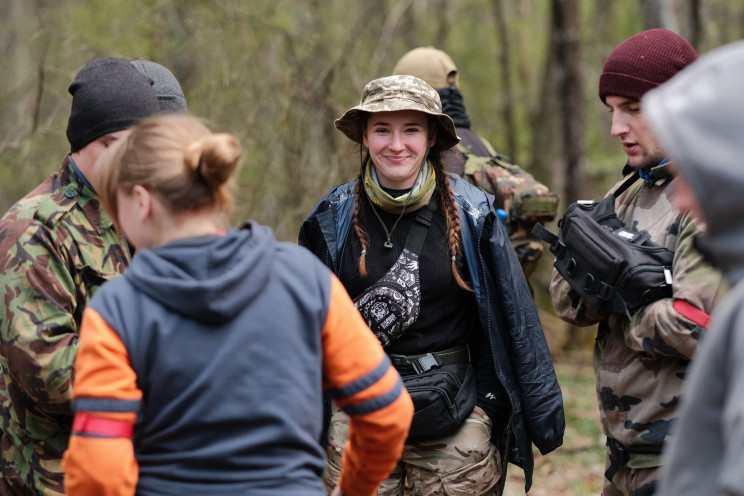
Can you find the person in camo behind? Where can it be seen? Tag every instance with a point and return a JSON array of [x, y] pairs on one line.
[[452, 307], [522, 200], [57, 247], [641, 362]]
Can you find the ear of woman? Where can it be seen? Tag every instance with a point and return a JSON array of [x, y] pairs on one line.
[[143, 202], [135, 215]]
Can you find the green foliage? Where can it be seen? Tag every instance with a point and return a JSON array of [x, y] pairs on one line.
[[276, 73]]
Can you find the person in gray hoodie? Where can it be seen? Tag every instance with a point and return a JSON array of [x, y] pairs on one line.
[[698, 116], [201, 370]]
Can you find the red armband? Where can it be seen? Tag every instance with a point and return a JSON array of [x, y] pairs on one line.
[[692, 313], [90, 426]]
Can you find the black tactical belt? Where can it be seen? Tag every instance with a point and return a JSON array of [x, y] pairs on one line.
[[423, 363], [621, 453]]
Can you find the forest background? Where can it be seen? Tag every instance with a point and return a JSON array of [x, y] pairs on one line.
[[276, 73]]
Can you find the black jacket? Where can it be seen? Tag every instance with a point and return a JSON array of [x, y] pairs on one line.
[[506, 310]]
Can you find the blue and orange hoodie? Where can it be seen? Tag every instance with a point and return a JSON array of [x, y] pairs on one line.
[[201, 371]]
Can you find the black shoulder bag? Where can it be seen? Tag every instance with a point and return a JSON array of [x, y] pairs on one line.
[[615, 269], [441, 383], [392, 304]]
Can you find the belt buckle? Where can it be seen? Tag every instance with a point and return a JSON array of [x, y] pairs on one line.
[[618, 451], [425, 363]]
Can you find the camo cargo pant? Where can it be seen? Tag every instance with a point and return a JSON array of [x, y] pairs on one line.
[[628, 481], [465, 463]]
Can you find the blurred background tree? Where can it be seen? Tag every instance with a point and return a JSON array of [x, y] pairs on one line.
[[278, 72]]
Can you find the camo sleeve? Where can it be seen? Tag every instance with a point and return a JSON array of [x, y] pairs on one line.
[[673, 326], [569, 306], [39, 329]]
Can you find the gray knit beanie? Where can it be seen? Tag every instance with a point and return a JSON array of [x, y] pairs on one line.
[[108, 95], [167, 89]]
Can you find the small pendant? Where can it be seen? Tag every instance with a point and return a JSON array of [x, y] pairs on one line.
[[388, 244]]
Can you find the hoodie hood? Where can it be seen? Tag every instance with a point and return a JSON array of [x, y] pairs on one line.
[[697, 116], [208, 278]]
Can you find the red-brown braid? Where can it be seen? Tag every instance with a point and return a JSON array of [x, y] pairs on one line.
[[454, 237], [357, 223]]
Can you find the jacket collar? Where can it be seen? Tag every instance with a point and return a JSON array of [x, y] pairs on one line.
[[85, 197]]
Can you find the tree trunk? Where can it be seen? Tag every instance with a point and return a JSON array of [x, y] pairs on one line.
[[502, 38], [543, 154], [659, 14], [565, 32], [694, 31], [569, 94]]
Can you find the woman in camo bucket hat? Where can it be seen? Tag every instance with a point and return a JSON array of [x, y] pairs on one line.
[[430, 268], [395, 93]]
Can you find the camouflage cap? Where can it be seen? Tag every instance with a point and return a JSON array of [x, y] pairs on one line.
[[427, 63], [394, 93]]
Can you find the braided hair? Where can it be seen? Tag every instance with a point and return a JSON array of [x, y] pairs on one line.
[[357, 218], [454, 233]]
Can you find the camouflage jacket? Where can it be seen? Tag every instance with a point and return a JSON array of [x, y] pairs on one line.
[[57, 246], [640, 364], [522, 199]]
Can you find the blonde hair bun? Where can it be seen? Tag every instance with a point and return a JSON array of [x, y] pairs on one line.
[[214, 158]]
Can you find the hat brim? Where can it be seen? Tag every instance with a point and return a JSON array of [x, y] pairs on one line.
[[351, 123]]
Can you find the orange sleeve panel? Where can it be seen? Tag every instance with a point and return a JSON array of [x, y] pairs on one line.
[[358, 375], [99, 467], [102, 364], [100, 458]]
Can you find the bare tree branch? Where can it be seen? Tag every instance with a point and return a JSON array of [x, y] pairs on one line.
[[502, 37], [388, 28]]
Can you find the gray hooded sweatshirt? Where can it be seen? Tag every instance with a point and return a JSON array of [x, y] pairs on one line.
[[699, 118]]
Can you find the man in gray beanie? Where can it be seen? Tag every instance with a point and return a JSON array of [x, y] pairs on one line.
[[167, 89], [57, 247]]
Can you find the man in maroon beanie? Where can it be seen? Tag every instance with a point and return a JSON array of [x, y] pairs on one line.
[[641, 358]]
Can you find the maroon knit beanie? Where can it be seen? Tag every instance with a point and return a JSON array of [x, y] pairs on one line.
[[643, 62]]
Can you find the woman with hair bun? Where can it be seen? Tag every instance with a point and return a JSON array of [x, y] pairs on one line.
[[201, 370]]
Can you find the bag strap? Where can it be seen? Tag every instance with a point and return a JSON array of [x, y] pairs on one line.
[[541, 232], [626, 184], [417, 234]]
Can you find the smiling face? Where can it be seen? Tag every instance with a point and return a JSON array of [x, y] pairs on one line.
[[397, 143], [638, 140]]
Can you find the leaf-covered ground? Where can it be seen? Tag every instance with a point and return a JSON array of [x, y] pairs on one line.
[[577, 467]]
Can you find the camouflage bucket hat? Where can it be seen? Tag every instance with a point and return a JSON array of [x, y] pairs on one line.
[[393, 93]]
